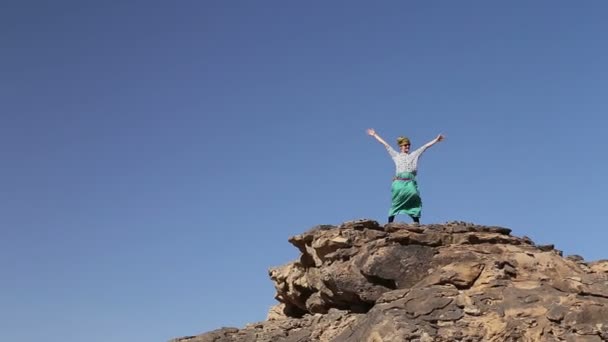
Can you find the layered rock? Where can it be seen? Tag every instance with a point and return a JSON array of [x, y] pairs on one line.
[[361, 281]]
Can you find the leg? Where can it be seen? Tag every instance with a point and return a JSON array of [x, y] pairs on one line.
[[391, 219], [416, 219]]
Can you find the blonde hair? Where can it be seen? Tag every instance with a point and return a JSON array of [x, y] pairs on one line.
[[403, 141]]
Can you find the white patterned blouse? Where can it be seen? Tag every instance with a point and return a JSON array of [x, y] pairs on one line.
[[406, 162]]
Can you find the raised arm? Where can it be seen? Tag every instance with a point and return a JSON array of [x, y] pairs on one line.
[[372, 132], [432, 142]]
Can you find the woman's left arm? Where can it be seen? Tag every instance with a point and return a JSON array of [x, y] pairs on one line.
[[439, 138]]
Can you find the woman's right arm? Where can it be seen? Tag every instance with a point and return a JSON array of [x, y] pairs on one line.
[[389, 149], [373, 133]]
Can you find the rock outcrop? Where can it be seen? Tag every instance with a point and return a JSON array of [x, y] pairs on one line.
[[361, 281]]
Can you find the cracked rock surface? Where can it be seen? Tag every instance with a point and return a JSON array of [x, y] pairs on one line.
[[361, 281]]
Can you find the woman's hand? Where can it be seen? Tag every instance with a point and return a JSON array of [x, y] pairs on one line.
[[439, 138], [371, 132]]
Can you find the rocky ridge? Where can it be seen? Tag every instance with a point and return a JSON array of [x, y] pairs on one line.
[[362, 281]]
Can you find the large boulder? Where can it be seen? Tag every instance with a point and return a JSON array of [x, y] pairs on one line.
[[458, 281]]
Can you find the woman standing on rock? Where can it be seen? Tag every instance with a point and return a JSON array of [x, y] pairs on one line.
[[405, 195]]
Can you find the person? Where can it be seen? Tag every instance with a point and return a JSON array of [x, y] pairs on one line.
[[405, 195]]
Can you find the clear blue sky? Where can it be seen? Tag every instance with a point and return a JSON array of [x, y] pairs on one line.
[[156, 156]]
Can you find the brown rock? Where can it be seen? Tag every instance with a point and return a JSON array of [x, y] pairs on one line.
[[459, 281]]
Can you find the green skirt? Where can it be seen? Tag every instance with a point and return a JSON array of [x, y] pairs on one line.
[[406, 198]]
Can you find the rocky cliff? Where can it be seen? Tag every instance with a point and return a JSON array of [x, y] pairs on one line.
[[362, 281]]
